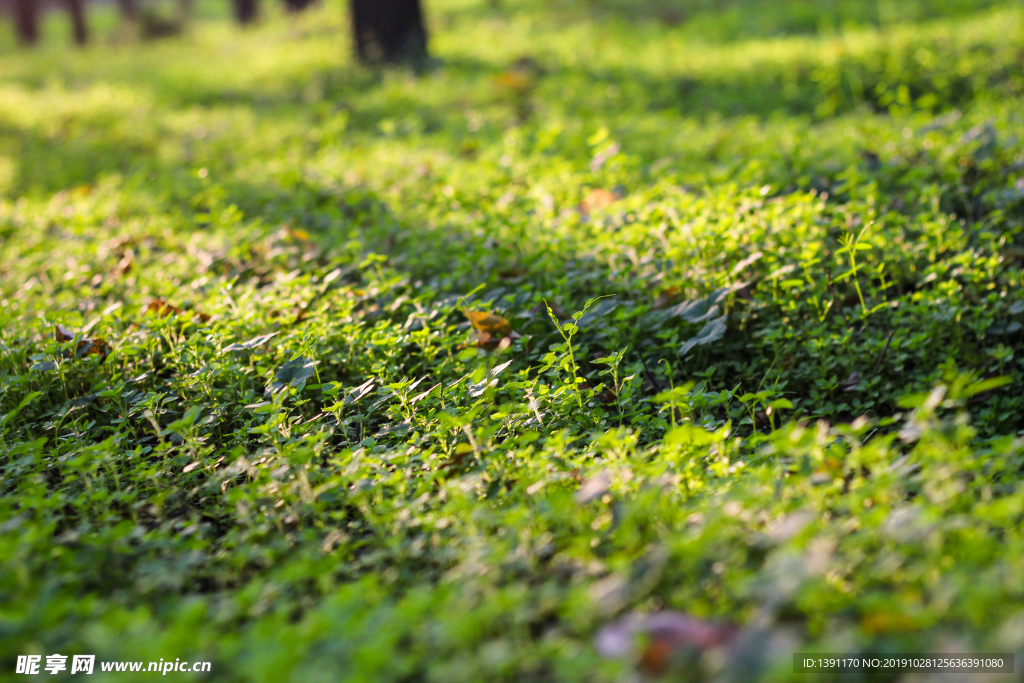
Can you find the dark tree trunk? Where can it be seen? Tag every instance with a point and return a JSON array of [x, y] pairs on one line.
[[129, 9], [298, 5], [26, 17], [245, 11], [389, 30], [76, 10]]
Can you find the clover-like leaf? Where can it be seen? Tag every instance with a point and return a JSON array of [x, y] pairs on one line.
[[711, 332], [358, 392], [699, 310], [251, 344], [63, 334], [598, 311], [477, 390], [294, 373]]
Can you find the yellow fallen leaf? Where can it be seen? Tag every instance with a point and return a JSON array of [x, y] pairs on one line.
[[515, 81], [490, 323], [598, 198], [492, 330]]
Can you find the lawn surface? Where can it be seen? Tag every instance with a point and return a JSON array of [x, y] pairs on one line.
[[705, 311]]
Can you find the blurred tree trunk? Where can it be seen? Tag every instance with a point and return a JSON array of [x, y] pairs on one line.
[[26, 17], [245, 11], [76, 10], [129, 9], [298, 5], [389, 30]]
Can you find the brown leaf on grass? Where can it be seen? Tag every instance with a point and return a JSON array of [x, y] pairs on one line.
[[163, 309], [121, 248], [92, 347], [515, 81], [124, 266], [889, 621], [492, 331], [599, 198], [84, 347], [660, 637]]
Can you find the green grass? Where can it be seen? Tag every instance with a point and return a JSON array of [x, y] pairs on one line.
[[790, 402]]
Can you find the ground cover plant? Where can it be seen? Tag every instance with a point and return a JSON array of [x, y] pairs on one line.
[[603, 348]]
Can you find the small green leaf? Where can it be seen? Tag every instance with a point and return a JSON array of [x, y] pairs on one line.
[[985, 385], [710, 333], [251, 344], [689, 434], [24, 402], [294, 372]]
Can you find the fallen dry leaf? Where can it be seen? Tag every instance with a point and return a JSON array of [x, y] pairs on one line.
[[598, 198], [492, 331], [516, 81], [163, 309], [84, 347], [889, 621], [124, 266], [660, 636]]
